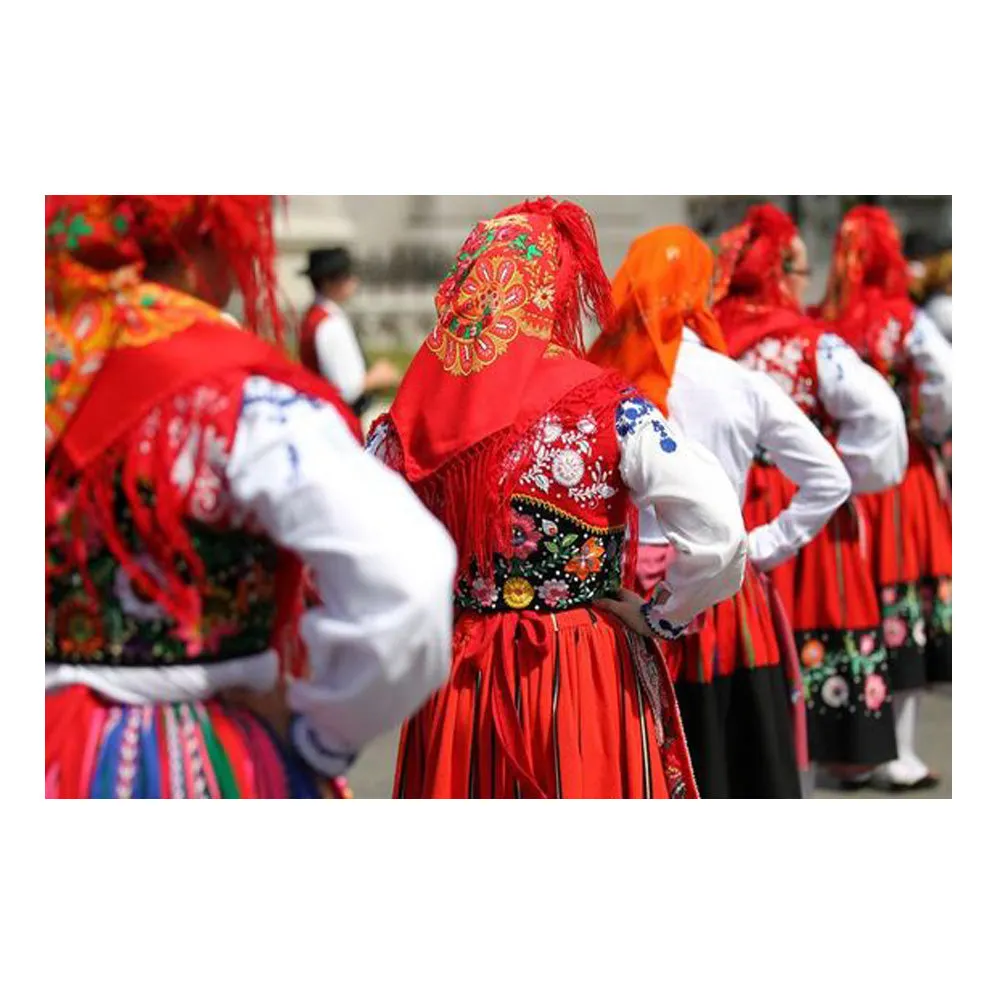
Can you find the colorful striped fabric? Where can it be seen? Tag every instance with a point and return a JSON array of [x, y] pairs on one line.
[[192, 750]]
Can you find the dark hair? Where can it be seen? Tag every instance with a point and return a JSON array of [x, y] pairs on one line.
[[334, 264], [920, 244]]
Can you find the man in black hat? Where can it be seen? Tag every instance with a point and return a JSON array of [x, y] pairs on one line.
[[327, 342]]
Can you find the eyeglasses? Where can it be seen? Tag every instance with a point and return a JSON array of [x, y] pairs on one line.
[[804, 272]]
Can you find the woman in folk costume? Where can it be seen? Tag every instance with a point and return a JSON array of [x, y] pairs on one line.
[[930, 280], [535, 460], [732, 688], [761, 276], [930, 289], [868, 304], [191, 471]]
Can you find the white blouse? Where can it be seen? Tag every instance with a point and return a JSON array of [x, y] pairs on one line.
[[733, 412], [694, 504], [930, 353], [871, 426], [380, 642]]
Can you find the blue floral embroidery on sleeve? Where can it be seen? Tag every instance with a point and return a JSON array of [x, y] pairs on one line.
[[275, 399], [634, 413]]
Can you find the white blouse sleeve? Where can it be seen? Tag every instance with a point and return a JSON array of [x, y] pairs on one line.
[[340, 357], [801, 452], [380, 643], [931, 355], [696, 507], [871, 439]]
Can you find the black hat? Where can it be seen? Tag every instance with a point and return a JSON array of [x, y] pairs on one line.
[[330, 262]]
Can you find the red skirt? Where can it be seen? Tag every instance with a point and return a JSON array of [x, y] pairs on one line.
[[830, 591], [567, 705], [736, 698], [911, 526]]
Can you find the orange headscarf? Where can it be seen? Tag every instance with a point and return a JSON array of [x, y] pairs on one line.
[[663, 286]]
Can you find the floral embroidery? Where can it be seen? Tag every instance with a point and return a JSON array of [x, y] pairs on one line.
[[587, 560], [895, 632], [526, 536], [812, 653], [634, 413], [562, 457], [836, 692], [553, 591], [844, 670], [936, 601], [484, 592], [876, 691], [902, 617], [125, 627], [567, 467], [489, 299], [549, 570], [785, 360], [79, 627], [518, 593]]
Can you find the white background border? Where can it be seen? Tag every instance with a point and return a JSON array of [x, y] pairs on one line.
[[473, 899]]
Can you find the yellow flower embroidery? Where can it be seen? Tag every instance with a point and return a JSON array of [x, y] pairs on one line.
[[518, 593]]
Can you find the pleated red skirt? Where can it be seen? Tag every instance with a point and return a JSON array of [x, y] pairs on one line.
[[734, 694], [911, 525], [566, 705]]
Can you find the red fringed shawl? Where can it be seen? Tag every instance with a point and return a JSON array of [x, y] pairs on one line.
[[506, 349]]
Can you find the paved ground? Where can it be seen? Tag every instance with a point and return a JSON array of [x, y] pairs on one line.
[[372, 775]]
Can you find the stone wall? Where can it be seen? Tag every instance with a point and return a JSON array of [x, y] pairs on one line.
[[404, 243]]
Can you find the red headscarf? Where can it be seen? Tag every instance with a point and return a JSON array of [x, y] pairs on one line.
[[869, 280], [751, 297], [507, 347], [662, 286]]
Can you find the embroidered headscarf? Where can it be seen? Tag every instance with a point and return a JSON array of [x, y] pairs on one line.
[[663, 286], [97, 248], [869, 281], [751, 296], [507, 348], [149, 344]]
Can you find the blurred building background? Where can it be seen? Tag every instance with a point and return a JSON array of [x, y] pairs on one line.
[[405, 243]]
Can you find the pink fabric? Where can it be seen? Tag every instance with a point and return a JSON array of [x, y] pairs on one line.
[[652, 566]]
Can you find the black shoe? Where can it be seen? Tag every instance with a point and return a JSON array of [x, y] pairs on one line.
[[925, 783], [855, 784]]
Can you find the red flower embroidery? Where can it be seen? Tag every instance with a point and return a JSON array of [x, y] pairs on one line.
[[526, 536]]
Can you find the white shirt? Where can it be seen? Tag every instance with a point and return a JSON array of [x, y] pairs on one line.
[[380, 643], [694, 504], [930, 353], [871, 427], [733, 412], [340, 357]]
